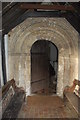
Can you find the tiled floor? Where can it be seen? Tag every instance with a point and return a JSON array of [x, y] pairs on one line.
[[45, 107]]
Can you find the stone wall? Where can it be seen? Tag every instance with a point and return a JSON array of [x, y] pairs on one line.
[[56, 30]]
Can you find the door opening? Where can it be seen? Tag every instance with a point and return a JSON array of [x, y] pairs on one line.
[[44, 67]]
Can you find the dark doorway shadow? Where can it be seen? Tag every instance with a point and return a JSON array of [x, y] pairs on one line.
[[44, 67]]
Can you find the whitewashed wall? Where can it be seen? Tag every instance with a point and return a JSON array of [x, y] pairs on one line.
[[56, 30]]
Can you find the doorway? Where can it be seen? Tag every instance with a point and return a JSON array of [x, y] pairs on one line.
[[44, 67]]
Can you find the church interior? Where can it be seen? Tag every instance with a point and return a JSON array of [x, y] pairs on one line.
[[40, 60]]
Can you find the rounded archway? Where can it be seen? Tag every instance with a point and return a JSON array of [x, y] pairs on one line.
[[44, 67], [56, 30]]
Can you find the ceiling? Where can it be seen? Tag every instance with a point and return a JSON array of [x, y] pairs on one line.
[[13, 13]]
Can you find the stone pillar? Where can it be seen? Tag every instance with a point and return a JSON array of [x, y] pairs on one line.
[[73, 69], [6, 54], [60, 76], [28, 74], [22, 67], [66, 75]]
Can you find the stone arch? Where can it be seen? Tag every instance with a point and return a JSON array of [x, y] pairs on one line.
[[59, 32]]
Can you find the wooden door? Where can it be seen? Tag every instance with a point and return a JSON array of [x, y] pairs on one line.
[[40, 68]]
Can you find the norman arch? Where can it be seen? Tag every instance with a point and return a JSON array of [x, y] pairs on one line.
[[59, 32]]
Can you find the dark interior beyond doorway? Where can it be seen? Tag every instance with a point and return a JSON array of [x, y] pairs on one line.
[[44, 65]]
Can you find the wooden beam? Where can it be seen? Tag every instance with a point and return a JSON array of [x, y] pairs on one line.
[[7, 6], [47, 7], [11, 24], [68, 15]]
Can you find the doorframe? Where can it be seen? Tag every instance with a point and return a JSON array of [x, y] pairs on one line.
[[31, 61]]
